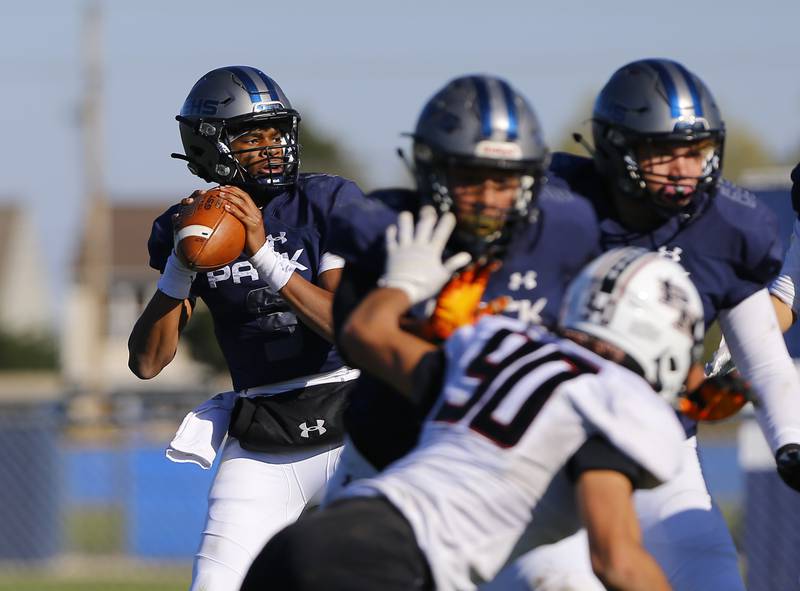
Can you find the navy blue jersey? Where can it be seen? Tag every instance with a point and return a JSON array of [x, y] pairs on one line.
[[540, 261], [729, 243], [261, 338]]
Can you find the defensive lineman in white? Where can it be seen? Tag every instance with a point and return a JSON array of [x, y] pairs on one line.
[[523, 419]]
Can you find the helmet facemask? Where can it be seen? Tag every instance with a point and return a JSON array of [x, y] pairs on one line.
[[211, 156], [266, 153], [457, 185], [632, 161]]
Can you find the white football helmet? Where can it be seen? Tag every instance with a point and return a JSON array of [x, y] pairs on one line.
[[645, 305]]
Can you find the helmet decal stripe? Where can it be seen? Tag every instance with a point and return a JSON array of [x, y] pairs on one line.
[[273, 95], [248, 82], [669, 86], [698, 104], [508, 94], [484, 108]]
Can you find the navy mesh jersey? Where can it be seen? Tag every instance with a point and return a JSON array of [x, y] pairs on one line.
[[540, 261], [262, 339], [730, 243]]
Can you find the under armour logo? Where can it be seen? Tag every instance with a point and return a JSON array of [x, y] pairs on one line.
[[280, 238], [305, 429], [673, 255], [526, 280]]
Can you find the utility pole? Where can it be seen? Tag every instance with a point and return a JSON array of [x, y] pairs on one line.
[[95, 251]]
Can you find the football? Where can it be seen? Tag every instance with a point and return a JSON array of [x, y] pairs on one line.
[[206, 235]]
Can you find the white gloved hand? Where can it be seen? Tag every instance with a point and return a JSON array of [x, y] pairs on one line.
[[721, 362], [414, 255]]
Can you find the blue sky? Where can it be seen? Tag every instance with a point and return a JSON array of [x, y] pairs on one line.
[[359, 70]]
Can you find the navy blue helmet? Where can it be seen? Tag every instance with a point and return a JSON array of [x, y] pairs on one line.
[[479, 122], [651, 102], [223, 105]]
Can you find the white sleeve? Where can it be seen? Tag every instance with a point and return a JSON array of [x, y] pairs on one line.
[[757, 347], [784, 285], [329, 261]]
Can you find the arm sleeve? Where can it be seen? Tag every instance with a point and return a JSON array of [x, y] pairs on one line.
[[598, 454], [757, 347], [784, 285]]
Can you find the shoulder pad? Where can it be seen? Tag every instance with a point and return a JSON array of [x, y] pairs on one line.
[[736, 193], [556, 190]]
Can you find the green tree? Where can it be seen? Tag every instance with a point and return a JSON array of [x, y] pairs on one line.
[[744, 150], [27, 351], [199, 336], [319, 153]]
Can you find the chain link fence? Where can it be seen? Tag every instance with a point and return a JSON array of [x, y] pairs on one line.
[[92, 502]]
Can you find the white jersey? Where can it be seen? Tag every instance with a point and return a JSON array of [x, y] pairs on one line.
[[516, 405]]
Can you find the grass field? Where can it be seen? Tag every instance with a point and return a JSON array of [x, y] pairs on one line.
[[98, 574], [91, 584]]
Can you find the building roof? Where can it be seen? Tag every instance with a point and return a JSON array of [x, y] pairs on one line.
[[130, 222]]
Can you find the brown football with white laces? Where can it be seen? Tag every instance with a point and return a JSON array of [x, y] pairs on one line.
[[207, 236]]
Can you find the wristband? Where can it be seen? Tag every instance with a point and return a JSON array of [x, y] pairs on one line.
[[176, 281], [272, 267]]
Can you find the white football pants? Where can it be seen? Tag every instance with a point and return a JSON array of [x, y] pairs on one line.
[[351, 466], [681, 527], [255, 495]]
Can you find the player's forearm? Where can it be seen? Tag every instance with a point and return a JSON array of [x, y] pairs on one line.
[[373, 340], [154, 338], [640, 572], [313, 305], [618, 559]]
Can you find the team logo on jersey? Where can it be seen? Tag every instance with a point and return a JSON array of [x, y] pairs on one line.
[[305, 429], [519, 280], [673, 255], [526, 310], [281, 237], [237, 271]]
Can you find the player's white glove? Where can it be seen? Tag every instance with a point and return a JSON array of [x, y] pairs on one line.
[[721, 363], [414, 255]]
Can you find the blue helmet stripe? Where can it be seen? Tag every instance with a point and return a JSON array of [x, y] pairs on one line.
[[698, 104], [513, 127], [484, 108], [669, 86], [273, 94], [249, 84]]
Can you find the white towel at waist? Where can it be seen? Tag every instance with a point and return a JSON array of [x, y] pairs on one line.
[[203, 430]]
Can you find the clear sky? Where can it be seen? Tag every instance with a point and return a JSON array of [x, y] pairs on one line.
[[359, 70]]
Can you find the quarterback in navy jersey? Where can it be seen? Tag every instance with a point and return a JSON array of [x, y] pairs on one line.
[[655, 182], [258, 331], [496, 143], [272, 318]]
